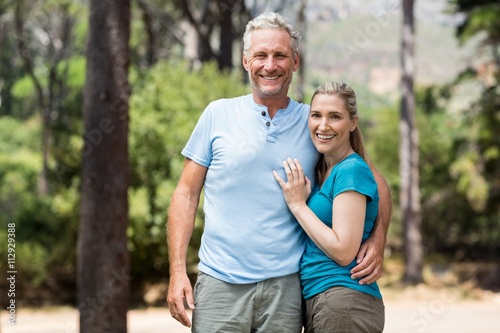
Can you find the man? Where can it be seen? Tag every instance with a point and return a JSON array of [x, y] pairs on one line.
[[251, 245]]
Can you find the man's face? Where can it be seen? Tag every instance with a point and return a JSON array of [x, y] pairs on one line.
[[270, 63]]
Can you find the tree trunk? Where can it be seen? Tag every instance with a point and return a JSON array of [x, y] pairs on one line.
[[302, 27], [202, 21], [409, 154], [225, 58], [25, 55], [147, 20], [103, 260]]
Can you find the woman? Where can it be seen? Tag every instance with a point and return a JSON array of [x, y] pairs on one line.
[[338, 216]]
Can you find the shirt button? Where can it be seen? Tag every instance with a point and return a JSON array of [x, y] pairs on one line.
[[268, 124], [263, 113]]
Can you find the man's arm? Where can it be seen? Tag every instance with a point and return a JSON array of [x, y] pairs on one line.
[[370, 257], [181, 220]]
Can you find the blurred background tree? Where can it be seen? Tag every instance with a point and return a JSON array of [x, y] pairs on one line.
[[103, 258], [409, 155], [476, 163]]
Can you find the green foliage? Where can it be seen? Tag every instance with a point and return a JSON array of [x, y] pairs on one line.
[[73, 71], [470, 180], [164, 108], [481, 18], [381, 135], [457, 184], [45, 226], [23, 88], [25, 99], [458, 171], [477, 164], [476, 154], [436, 130], [459, 154], [19, 166], [67, 127]]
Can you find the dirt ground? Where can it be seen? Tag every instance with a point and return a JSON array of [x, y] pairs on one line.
[[415, 310]]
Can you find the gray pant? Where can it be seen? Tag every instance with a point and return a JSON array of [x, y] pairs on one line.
[[344, 310], [269, 306]]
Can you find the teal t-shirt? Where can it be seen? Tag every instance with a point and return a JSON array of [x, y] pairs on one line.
[[318, 272]]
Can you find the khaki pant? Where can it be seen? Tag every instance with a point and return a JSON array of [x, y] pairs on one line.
[[269, 306], [344, 310]]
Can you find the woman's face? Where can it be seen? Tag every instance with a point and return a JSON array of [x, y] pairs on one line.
[[330, 124]]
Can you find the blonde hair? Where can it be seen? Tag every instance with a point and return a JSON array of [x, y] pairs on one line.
[[347, 94]]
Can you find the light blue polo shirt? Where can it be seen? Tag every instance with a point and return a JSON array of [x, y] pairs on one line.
[[318, 272], [250, 234]]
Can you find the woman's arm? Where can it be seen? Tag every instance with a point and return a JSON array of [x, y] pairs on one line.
[[370, 257], [342, 241]]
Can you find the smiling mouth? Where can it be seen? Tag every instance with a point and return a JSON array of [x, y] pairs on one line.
[[270, 77], [325, 137]]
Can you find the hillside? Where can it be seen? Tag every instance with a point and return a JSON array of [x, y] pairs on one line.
[[359, 42]]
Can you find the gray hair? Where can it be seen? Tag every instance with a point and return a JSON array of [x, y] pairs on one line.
[[271, 20]]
